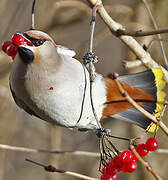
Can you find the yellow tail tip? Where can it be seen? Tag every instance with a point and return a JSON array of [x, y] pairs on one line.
[[161, 95]]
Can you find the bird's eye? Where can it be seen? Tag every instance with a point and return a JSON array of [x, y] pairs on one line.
[[39, 42]]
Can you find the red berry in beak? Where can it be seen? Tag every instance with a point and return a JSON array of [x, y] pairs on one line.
[[5, 45], [11, 50], [13, 57], [18, 39]]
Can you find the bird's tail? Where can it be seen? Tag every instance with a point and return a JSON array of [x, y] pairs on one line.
[[146, 88]]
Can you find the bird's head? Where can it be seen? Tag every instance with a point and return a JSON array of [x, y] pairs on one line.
[[34, 46]]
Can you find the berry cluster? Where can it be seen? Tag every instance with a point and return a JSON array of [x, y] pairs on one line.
[[127, 161], [10, 47]]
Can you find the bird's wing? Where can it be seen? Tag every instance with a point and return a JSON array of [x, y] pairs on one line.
[[22, 105], [65, 51]]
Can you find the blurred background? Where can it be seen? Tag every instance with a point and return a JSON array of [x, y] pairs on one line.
[[68, 23]]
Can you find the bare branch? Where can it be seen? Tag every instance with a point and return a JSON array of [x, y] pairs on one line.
[[140, 33], [134, 46]]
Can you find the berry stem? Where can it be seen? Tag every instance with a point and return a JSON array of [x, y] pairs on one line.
[[146, 164]]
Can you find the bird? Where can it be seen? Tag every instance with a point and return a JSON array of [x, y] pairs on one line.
[[47, 81]]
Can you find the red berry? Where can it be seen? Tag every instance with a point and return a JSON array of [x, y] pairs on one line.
[[11, 50], [134, 158], [130, 167], [112, 169], [126, 156], [109, 169], [151, 144], [18, 39], [117, 163], [106, 169], [108, 177], [5, 45], [142, 149], [13, 57]]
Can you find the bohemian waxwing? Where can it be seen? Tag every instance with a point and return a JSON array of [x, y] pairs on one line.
[[47, 82]]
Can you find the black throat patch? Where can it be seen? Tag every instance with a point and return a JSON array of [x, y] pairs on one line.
[[26, 55]]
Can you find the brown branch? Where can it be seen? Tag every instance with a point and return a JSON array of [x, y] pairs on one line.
[[139, 108], [146, 164], [50, 168], [134, 46], [140, 33]]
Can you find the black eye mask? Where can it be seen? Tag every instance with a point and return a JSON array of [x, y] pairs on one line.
[[36, 42]]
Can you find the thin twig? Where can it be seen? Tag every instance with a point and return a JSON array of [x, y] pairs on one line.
[[134, 46], [98, 38], [30, 150], [121, 138], [50, 168], [139, 108], [146, 164], [91, 67], [32, 15], [140, 33], [158, 35]]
